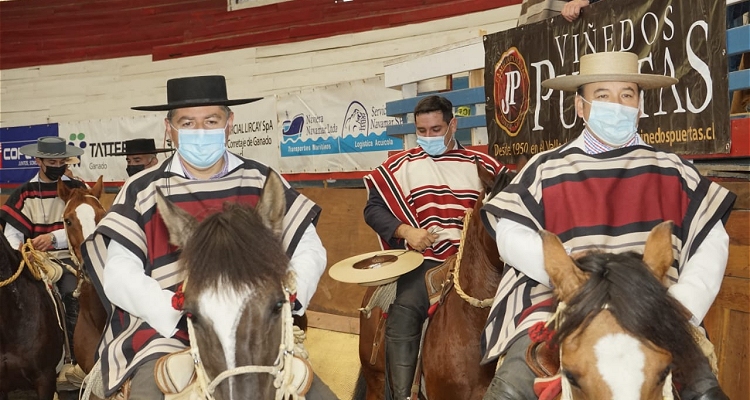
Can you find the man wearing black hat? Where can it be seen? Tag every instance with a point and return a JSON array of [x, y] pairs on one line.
[[33, 211], [139, 273], [140, 154]]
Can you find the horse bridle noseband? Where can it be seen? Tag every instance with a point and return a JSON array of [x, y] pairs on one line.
[[281, 370]]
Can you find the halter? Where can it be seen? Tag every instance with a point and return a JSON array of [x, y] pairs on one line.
[[567, 392], [281, 370]]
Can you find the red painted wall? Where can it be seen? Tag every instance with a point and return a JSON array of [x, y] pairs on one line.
[[43, 32]]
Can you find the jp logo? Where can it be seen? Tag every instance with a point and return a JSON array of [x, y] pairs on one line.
[[511, 92]]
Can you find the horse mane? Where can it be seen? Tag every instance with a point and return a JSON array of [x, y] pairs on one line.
[[627, 288], [234, 247], [9, 259]]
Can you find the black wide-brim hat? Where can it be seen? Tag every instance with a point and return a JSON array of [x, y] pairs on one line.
[[140, 146], [51, 147], [196, 91]]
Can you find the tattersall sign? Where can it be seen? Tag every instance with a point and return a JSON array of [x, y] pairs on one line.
[[683, 39]]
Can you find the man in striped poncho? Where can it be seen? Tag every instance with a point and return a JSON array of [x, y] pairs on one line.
[[417, 200], [34, 211], [604, 190], [130, 258]]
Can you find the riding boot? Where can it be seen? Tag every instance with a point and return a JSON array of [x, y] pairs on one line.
[[402, 335], [514, 380], [71, 316], [704, 386]]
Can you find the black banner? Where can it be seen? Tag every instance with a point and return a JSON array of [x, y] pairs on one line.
[[683, 39]]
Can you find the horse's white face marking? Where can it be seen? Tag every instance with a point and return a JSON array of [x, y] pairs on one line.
[[620, 362], [225, 310], [87, 217]]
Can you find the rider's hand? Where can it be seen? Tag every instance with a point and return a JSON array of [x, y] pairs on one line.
[[418, 239], [572, 9], [42, 242]]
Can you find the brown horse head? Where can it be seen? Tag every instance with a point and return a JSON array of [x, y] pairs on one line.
[[621, 332], [235, 267], [81, 214]]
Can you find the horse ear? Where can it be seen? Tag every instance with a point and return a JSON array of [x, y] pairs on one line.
[[658, 251], [485, 176], [96, 191], [565, 276], [63, 191], [179, 222], [272, 204]]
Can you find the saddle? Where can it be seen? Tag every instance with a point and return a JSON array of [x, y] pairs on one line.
[[544, 361]]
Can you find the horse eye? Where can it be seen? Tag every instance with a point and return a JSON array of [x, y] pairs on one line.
[[571, 378], [68, 222], [278, 306]]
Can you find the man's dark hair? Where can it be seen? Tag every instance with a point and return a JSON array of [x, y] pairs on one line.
[[435, 103]]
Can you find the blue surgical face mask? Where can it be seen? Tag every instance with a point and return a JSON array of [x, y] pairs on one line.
[[201, 148], [433, 145], [613, 123]]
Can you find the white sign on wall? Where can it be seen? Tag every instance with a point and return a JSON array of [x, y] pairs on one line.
[[101, 138], [339, 128], [255, 132]]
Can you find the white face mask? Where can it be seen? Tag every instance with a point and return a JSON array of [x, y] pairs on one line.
[[201, 148], [613, 123]]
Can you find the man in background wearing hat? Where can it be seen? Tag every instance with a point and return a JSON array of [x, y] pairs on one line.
[[140, 154], [33, 211], [652, 186], [139, 273], [417, 200]]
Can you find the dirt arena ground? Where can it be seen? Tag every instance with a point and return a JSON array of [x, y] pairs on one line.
[[334, 357]]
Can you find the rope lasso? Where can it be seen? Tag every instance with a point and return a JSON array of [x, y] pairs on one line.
[[471, 300], [31, 259], [34, 261]]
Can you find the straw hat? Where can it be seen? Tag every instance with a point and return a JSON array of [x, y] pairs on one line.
[[196, 91], [376, 268], [609, 67]]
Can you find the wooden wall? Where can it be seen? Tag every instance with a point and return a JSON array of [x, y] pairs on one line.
[[728, 320], [344, 234], [107, 88], [43, 32]]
